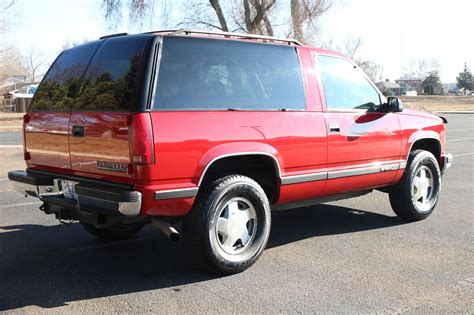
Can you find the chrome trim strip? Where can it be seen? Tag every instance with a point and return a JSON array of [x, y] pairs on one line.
[[373, 169], [303, 178], [176, 193], [364, 171], [275, 161]]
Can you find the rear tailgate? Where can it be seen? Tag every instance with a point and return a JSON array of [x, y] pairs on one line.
[[47, 122], [99, 125]]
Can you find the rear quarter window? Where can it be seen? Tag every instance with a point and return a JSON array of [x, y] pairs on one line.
[[208, 74], [109, 82], [59, 87]]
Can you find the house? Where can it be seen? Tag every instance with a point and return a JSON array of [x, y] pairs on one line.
[[13, 78], [410, 84], [388, 88]]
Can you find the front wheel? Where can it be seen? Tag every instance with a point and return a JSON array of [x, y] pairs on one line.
[[415, 196], [229, 225]]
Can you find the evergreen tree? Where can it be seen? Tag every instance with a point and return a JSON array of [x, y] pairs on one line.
[[465, 79], [432, 83]]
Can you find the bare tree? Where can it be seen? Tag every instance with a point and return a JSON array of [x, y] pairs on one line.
[[304, 17], [35, 64], [216, 6], [5, 5], [420, 68], [10, 58], [250, 16]]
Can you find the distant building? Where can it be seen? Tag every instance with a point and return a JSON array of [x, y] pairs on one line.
[[389, 88], [410, 84], [13, 78], [450, 88]]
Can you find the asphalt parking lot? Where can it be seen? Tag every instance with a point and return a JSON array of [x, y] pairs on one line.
[[348, 256]]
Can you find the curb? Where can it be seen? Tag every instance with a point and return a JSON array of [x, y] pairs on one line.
[[454, 112]]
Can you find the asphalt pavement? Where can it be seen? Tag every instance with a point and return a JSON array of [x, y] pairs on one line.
[[349, 256]]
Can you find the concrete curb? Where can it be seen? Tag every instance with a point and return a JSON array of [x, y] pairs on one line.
[[454, 112]]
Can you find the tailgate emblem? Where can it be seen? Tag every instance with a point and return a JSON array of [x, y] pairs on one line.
[[112, 166]]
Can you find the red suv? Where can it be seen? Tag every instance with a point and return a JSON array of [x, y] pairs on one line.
[[204, 134]]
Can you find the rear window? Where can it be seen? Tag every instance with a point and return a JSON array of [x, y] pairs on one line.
[[200, 74], [109, 81], [59, 87]]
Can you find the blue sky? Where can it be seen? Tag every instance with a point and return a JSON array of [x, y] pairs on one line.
[[392, 31]]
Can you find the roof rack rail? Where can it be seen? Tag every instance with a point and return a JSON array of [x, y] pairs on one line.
[[231, 35], [113, 35]]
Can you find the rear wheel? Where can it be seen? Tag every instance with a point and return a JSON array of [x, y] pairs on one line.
[[229, 226], [415, 196], [114, 232]]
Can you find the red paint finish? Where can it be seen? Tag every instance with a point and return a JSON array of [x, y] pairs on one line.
[[185, 143], [46, 139], [106, 138]]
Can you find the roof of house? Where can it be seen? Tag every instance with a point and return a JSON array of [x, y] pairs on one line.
[[387, 85]]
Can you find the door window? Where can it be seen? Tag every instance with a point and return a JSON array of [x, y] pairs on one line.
[[109, 82], [200, 74], [59, 87], [345, 86]]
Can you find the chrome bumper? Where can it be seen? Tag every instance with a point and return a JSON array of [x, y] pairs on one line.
[[95, 198], [447, 161]]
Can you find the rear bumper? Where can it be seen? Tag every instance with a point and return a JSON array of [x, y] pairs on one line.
[[447, 161], [99, 203]]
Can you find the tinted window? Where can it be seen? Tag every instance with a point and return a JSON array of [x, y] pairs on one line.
[[200, 73], [345, 86], [109, 81], [59, 86]]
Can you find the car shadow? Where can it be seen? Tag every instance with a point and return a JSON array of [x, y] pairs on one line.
[[49, 267]]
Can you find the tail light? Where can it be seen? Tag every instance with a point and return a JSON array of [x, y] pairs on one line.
[[26, 154], [142, 150]]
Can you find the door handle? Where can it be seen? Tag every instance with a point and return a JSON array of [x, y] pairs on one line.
[[78, 131], [334, 128]]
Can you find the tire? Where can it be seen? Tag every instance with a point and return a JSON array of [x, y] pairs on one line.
[[415, 196], [229, 225], [114, 232]]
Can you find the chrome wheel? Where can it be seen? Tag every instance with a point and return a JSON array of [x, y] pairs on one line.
[[236, 225], [422, 189]]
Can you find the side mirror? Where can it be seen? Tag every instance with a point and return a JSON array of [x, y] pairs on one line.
[[395, 105]]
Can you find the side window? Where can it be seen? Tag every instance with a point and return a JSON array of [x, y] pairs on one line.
[[59, 87], [109, 81], [200, 74], [345, 86]]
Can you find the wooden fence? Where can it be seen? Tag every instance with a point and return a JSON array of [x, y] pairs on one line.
[[18, 105]]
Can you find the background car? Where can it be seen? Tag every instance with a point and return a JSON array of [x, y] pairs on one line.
[[26, 91]]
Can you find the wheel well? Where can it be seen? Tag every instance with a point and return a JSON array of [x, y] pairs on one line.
[[260, 168], [431, 145]]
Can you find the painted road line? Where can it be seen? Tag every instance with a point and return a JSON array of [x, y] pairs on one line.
[[19, 205], [460, 139]]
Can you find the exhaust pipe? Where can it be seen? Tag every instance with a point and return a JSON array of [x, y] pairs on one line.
[[167, 228]]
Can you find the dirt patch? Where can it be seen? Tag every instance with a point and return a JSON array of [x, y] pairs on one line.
[[439, 103]]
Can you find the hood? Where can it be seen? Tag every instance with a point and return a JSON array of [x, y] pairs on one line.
[[413, 112]]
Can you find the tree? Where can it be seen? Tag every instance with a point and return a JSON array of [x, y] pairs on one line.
[[295, 18], [10, 58], [304, 17], [35, 64], [432, 84], [420, 68], [465, 80]]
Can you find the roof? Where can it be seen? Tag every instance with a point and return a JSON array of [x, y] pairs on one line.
[[409, 79], [387, 85]]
